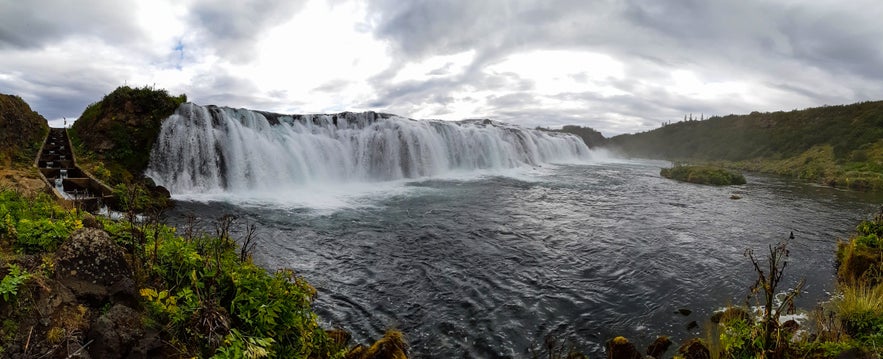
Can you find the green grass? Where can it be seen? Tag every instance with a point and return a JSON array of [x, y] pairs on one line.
[[860, 307]]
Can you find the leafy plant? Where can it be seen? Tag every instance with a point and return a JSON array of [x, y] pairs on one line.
[[42, 235], [12, 281]]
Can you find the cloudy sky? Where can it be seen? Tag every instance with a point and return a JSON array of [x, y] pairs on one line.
[[617, 66]]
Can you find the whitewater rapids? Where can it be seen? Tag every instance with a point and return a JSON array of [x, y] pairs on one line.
[[210, 149]]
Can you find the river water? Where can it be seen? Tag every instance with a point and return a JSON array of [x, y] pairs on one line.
[[485, 264]]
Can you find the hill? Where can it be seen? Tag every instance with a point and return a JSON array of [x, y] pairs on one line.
[[22, 131], [113, 137], [590, 136], [837, 145]]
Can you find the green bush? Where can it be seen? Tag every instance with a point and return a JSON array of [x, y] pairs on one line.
[[216, 304], [12, 281], [43, 235], [703, 175]]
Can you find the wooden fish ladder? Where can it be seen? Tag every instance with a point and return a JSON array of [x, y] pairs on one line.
[[70, 184]]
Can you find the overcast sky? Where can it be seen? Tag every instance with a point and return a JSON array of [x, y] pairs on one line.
[[616, 66]]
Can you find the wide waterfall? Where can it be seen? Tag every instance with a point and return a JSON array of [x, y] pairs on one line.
[[204, 149]]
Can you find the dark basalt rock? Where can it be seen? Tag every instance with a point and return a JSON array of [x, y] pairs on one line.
[[658, 347], [89, 221], [621, 348], [730, 314], [94, 268], [391, 346], [119, 333], [694, 349]]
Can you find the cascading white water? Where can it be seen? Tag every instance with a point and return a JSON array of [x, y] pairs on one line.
[[216, 149]]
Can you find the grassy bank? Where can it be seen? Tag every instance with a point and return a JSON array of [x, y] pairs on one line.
[[863, 171], [836, 145], [201, 292], [849, 324]]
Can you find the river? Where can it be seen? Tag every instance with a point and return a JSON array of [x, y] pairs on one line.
[[486, 264]]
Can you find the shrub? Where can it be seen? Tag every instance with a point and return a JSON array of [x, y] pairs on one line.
[[43, 235], [217, 304], [12, 281]]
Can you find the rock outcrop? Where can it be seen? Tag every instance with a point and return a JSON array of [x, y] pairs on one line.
[[21, 131], [122, 128], [87, 309], [95, 268]]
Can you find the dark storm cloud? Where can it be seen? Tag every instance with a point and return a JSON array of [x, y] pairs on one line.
[[36, 23], [232, 27]]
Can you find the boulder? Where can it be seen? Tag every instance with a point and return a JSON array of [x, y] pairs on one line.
[[621, 348], [89, 221], [94, 268], [730, 314], [115, 333], [694, 349], [391, 346], [658, 347]]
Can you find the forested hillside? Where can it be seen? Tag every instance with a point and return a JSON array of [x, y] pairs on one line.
[[838, 145]]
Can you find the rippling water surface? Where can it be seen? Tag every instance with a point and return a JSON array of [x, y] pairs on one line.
[[487, 266]]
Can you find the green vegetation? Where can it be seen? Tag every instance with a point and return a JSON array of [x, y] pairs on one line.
[[837, 145], [201, 291], [113, 137], [21, 132], [12, 281], [852, 321], [703, 175]]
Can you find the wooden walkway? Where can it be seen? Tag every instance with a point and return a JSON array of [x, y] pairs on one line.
[[68, 182]]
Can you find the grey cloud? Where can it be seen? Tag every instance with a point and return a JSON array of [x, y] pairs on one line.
[[332, 86], [514, 100], [58, 88], [36, 23]]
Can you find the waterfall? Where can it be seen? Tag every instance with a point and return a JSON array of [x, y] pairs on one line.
[[217, 149]]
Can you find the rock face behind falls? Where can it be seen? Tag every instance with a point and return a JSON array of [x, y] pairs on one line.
[[21, 131]]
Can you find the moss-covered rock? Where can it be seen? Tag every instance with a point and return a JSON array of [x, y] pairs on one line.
[[703, 175], [21, 132], [120, 130]]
